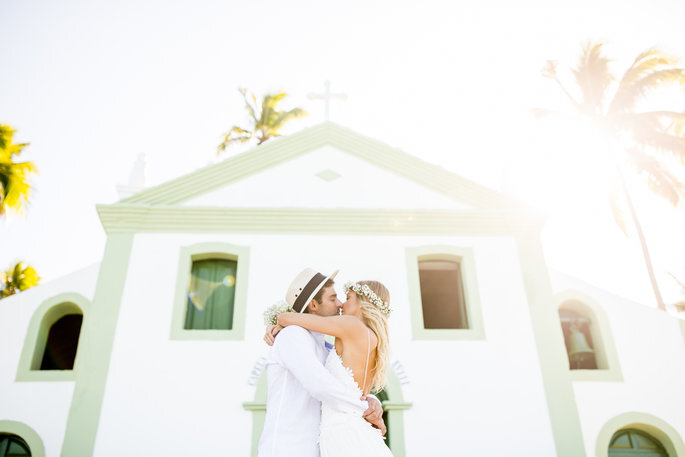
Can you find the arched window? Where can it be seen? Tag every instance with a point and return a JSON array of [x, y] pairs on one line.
[[62, 343], [634, 443], [211, 294], [578, 339], [50, 350], [443, 292], [13, 446], [588, 338]]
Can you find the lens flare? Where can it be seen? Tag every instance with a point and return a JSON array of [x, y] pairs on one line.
[[229, 281], [196, 303]]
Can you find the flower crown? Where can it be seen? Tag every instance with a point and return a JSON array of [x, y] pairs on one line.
[[370, 294]]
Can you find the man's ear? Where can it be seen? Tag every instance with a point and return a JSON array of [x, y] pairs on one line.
[[313, 306]]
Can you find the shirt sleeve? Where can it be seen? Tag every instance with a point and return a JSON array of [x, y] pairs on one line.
[[296, 349]]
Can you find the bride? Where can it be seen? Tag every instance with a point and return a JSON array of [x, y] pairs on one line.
[[359, 361]]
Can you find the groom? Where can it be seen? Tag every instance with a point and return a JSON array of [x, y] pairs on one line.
[[297, 380]]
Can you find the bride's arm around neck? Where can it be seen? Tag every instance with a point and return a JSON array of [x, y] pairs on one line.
[[339, 326]]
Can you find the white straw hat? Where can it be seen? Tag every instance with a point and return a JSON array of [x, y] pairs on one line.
[[304, 287]]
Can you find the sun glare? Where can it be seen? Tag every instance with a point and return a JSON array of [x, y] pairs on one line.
[[567, 169]]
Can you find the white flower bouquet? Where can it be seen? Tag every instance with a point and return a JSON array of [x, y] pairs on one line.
[[272, 312]]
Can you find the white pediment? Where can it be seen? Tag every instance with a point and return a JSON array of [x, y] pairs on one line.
[[325, 177]]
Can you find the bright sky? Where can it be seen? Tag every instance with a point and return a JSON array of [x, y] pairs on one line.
[[92, 84]]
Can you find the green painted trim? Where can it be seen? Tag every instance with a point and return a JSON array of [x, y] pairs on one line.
[[659, 429], [199, 219], [49, 312], [466, 258], [609, 368], [395, 406], [26, 433], [556, 379], [96, 348], [200, 251], [283, 149], [258, 408], [254, 406]]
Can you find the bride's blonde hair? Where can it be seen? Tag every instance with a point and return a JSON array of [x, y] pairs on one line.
[[377, 321]]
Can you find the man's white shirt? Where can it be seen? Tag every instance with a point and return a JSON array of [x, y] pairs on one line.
[[297, 384]]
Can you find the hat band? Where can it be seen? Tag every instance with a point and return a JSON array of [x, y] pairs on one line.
[[303, 298]]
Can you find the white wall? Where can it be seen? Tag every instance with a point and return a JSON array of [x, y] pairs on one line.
[[295, 184], [651, 354], [174, 397], [43, 406]]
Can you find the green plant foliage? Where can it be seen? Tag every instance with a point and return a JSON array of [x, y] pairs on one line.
[[265, 118], [14, 176], [17, 278]]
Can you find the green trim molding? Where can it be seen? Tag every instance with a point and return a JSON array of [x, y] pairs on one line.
[[395, 407], [120, 218], [652, 425], [608, 368], [49, 312], [26, 433], [202, 251], [258, 409], [95, 349], [283, 149], [549, 339], [466, 259]]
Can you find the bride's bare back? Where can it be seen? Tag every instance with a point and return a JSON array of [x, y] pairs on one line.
[[358, 353]]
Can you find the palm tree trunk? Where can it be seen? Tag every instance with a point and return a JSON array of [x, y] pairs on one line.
[[643, 243]]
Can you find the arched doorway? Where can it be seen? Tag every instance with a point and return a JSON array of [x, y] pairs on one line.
[[635, 443]]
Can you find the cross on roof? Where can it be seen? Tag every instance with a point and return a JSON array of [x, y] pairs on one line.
[[326, 97]]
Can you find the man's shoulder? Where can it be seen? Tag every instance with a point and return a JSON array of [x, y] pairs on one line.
[[294, 334]]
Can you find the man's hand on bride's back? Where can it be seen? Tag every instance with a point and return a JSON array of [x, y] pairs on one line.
[[374, 415], [271, 332]]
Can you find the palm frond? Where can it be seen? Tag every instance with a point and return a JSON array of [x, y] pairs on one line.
[[659, 179], [662, 141], [250, 109], [14, 176], [18, 278], [235, 135], [8, 149], [627, 96], [285, 116], [550, 71], [593, 78]]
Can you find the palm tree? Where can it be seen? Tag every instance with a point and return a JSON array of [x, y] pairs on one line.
[[266, 121], [651, 141], [17, 278], [14, 185]]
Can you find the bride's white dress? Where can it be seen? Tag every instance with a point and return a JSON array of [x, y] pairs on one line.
[[347, 434]]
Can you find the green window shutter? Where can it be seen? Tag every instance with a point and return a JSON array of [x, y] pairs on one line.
[[211, 294]]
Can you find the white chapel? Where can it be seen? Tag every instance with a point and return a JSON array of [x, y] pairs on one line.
[[157, 350]]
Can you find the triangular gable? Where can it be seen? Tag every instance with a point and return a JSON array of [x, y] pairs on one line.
[[284, 149], [325, 177]]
